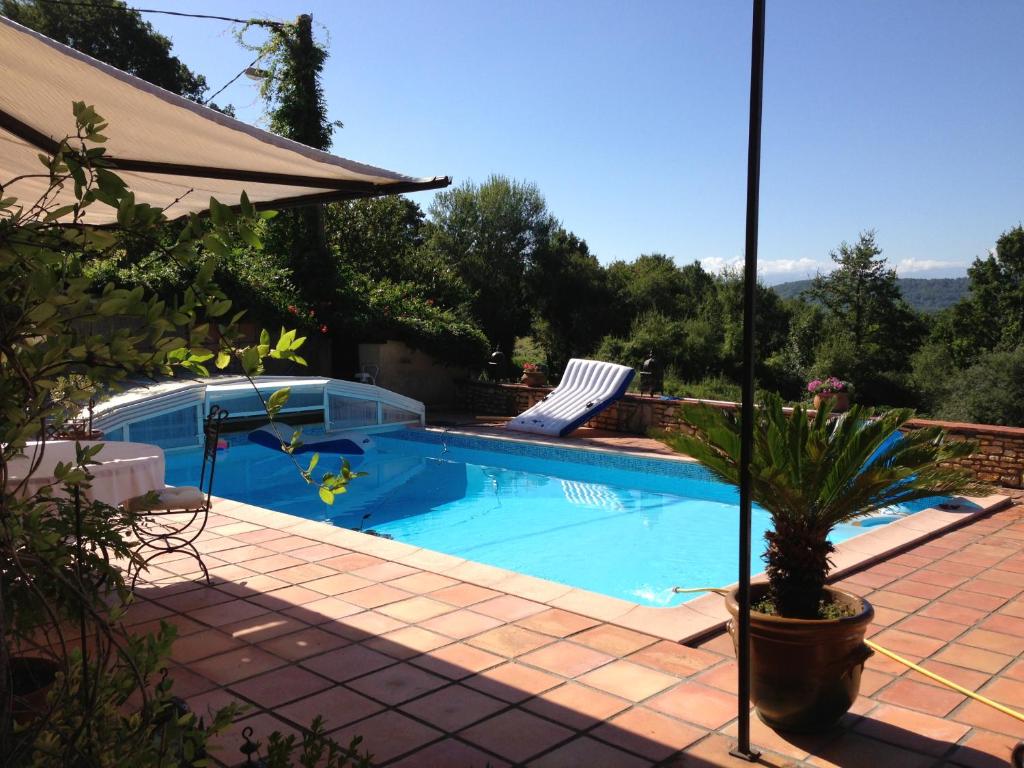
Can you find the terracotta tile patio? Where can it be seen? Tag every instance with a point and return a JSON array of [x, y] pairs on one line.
[[434, 671]]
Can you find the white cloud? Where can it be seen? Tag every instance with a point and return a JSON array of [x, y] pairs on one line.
[[925, 265], [797, 267]]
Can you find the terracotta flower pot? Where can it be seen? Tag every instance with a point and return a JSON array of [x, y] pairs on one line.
[[840, 400], [533, 378], [805, 673], [32, 679]]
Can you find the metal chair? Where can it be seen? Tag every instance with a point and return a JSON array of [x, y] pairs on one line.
[[173, 518]]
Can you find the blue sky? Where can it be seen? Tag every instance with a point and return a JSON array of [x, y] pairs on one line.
[[631, 117]]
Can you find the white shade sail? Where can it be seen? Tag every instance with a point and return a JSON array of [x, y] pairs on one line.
[[172, 153]]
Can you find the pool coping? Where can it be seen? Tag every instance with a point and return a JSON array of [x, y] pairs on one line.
[[684, 623]]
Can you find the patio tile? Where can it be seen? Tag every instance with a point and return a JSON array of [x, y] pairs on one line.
[[675, 659], [968, 678], [193, 600], [346, 663], [648, 733], [628, 680], [272, 689], [1007, 692], [464, 594], [722, 677], [994, 641], [287, 543], [512, 682], [516, 735], [304, 643], [566, 659], [852, 750], [1009, 625], [975, 600], [985, 750], [388, 735], [973, 658], [911, 730], [453, 708], [337, 705], [994, 588], [199, 645], [300, 573], [272, 563], [935, 628], [227, 613], [416, 609], [917, 589], [318, 552], [921, 697], [397, 683], [557, 622], [698, 704], [510, 641], [937, 577], [229, 667], [144, 611], [252, 587], [259, 535], [322, 610], [290, 596], [423, 582], [449, 753], [407, 642], [897, 601], [617, 641], [376, 595], [949, 612], [363, 626], [461, 624], [576, 706], [906, 643], [243, 553], [509, 608], [385, 571], [585, 751], [337, 584], [352, 562], [207, 704], [792, 745], [263, 627], [457, 661]]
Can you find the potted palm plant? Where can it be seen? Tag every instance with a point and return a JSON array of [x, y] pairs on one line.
[[812, 473]]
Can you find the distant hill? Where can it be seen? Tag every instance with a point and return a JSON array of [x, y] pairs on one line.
[[925, 294]]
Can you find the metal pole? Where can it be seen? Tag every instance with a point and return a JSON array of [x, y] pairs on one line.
[[743, 748]]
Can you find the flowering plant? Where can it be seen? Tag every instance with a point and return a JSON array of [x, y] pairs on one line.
[[827, 386], [531, 368]]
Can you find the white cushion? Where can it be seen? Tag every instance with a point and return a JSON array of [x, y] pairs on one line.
[[587, 387], [170, 498]]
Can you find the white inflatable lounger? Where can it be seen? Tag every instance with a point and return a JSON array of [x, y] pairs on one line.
[[587, 388]]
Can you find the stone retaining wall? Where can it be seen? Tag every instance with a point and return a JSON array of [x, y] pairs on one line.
[[999, 459]]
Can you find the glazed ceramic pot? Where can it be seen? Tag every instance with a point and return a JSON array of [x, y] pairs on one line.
[[805, 673]]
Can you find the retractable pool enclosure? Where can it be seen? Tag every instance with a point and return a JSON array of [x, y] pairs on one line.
[[170, 414]]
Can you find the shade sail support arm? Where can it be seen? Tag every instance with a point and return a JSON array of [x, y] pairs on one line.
[[743, 749]]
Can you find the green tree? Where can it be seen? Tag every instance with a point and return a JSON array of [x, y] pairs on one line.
[[992, 315], [654, 282], [490, 234], [115, 35], [570, 298], [871, 332]]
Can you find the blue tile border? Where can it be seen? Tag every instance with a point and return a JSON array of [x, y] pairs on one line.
[[596, 458]]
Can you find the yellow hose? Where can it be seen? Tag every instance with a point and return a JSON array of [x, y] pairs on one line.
[[948, 683]]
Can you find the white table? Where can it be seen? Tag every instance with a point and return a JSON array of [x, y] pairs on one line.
[[124, 470]]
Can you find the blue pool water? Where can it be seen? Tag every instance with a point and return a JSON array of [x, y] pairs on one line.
[[629, 527]]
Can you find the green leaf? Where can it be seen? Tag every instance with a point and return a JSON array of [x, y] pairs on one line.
[[326, 496], [223, 360], [278, 400]]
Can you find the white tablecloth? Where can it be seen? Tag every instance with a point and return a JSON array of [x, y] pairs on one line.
[[125, 469]]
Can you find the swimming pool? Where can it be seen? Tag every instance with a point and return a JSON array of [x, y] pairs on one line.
[[625, 526]]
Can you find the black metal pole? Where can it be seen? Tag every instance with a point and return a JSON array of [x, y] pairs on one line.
[[743, 748]]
